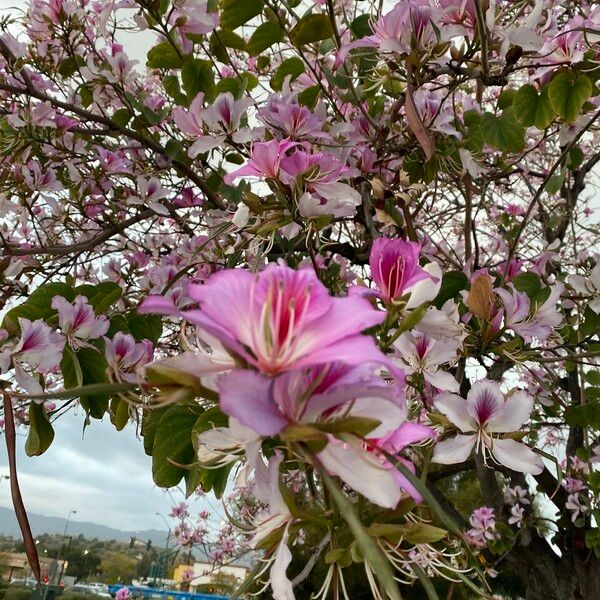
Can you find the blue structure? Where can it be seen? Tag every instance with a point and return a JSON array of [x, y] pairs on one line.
[[148, 592]]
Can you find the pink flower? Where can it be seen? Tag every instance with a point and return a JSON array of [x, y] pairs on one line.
[[486, 412], [39, 350], [544, 320], [78, 321], [291, 119], [264, 160], [311, 395], [423, 354], [122, 594], [395, 267], [282, 319], [483, 523], [125, 356]]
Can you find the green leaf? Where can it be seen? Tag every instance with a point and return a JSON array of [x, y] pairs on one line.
[[504, 132], [359, 425], [533, 109], [568, 92], [141, 327], [171, 86], [506, 98], [197, 76], [223, 39], [172, 450], [593, 377], [369, 550], [293, 67], [119, 409], [361, 26], [311, 28], [101, 296], [122, 116], [453, 282], [555, 183], [264, 37], [309, 96], [68, 66], [575, 157], [414, 533], [87, 96], [90, 365], [591, 323], [41, 432], [164, 56], [586, 415], [529, 283], [150, 420], [238, 12]]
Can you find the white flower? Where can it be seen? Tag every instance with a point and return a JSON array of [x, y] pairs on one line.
[[486, 412]]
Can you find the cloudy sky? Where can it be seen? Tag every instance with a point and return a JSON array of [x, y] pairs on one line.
[[103, 474]]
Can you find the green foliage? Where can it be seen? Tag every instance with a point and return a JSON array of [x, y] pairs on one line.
[[311, 28], [141, 327], [41, 432], [531, 108], [453, 282], [264, 37], [17, 593], [585, 415], [529, 283], [172, 450], [293, 67], [238, 12], [361, 26], [164, 56], [38, 306], [568, 92], [197, 76], [504, 132]]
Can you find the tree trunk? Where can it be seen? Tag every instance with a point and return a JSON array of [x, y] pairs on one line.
[[544, 577]]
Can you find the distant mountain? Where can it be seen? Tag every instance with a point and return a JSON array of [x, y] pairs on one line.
[[52, 525]]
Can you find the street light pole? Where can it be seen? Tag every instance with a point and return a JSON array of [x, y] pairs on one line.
[[85, 553], [71, 512], [166, 553]]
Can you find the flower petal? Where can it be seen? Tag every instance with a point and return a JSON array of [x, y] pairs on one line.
[[453, 450], [455, 408], [361, 471], [246, 395], [517, 456], [516, 411], [280, 584], [485, 401]]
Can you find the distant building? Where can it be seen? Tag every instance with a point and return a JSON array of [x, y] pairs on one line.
[[15, 566], [204, 571]]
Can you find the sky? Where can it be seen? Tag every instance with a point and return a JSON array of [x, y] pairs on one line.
[[101, 473]]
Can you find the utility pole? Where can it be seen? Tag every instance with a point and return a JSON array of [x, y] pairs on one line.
[[71, 512], [160, 562]]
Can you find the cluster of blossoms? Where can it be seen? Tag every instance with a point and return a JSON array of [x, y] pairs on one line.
[[483, 527]]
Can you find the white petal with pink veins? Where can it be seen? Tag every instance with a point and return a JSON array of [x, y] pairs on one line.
[[516, 411], [455, 408]]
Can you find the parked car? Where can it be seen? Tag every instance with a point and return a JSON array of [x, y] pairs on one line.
[[87, 589], [100, 589], [27, 582]]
